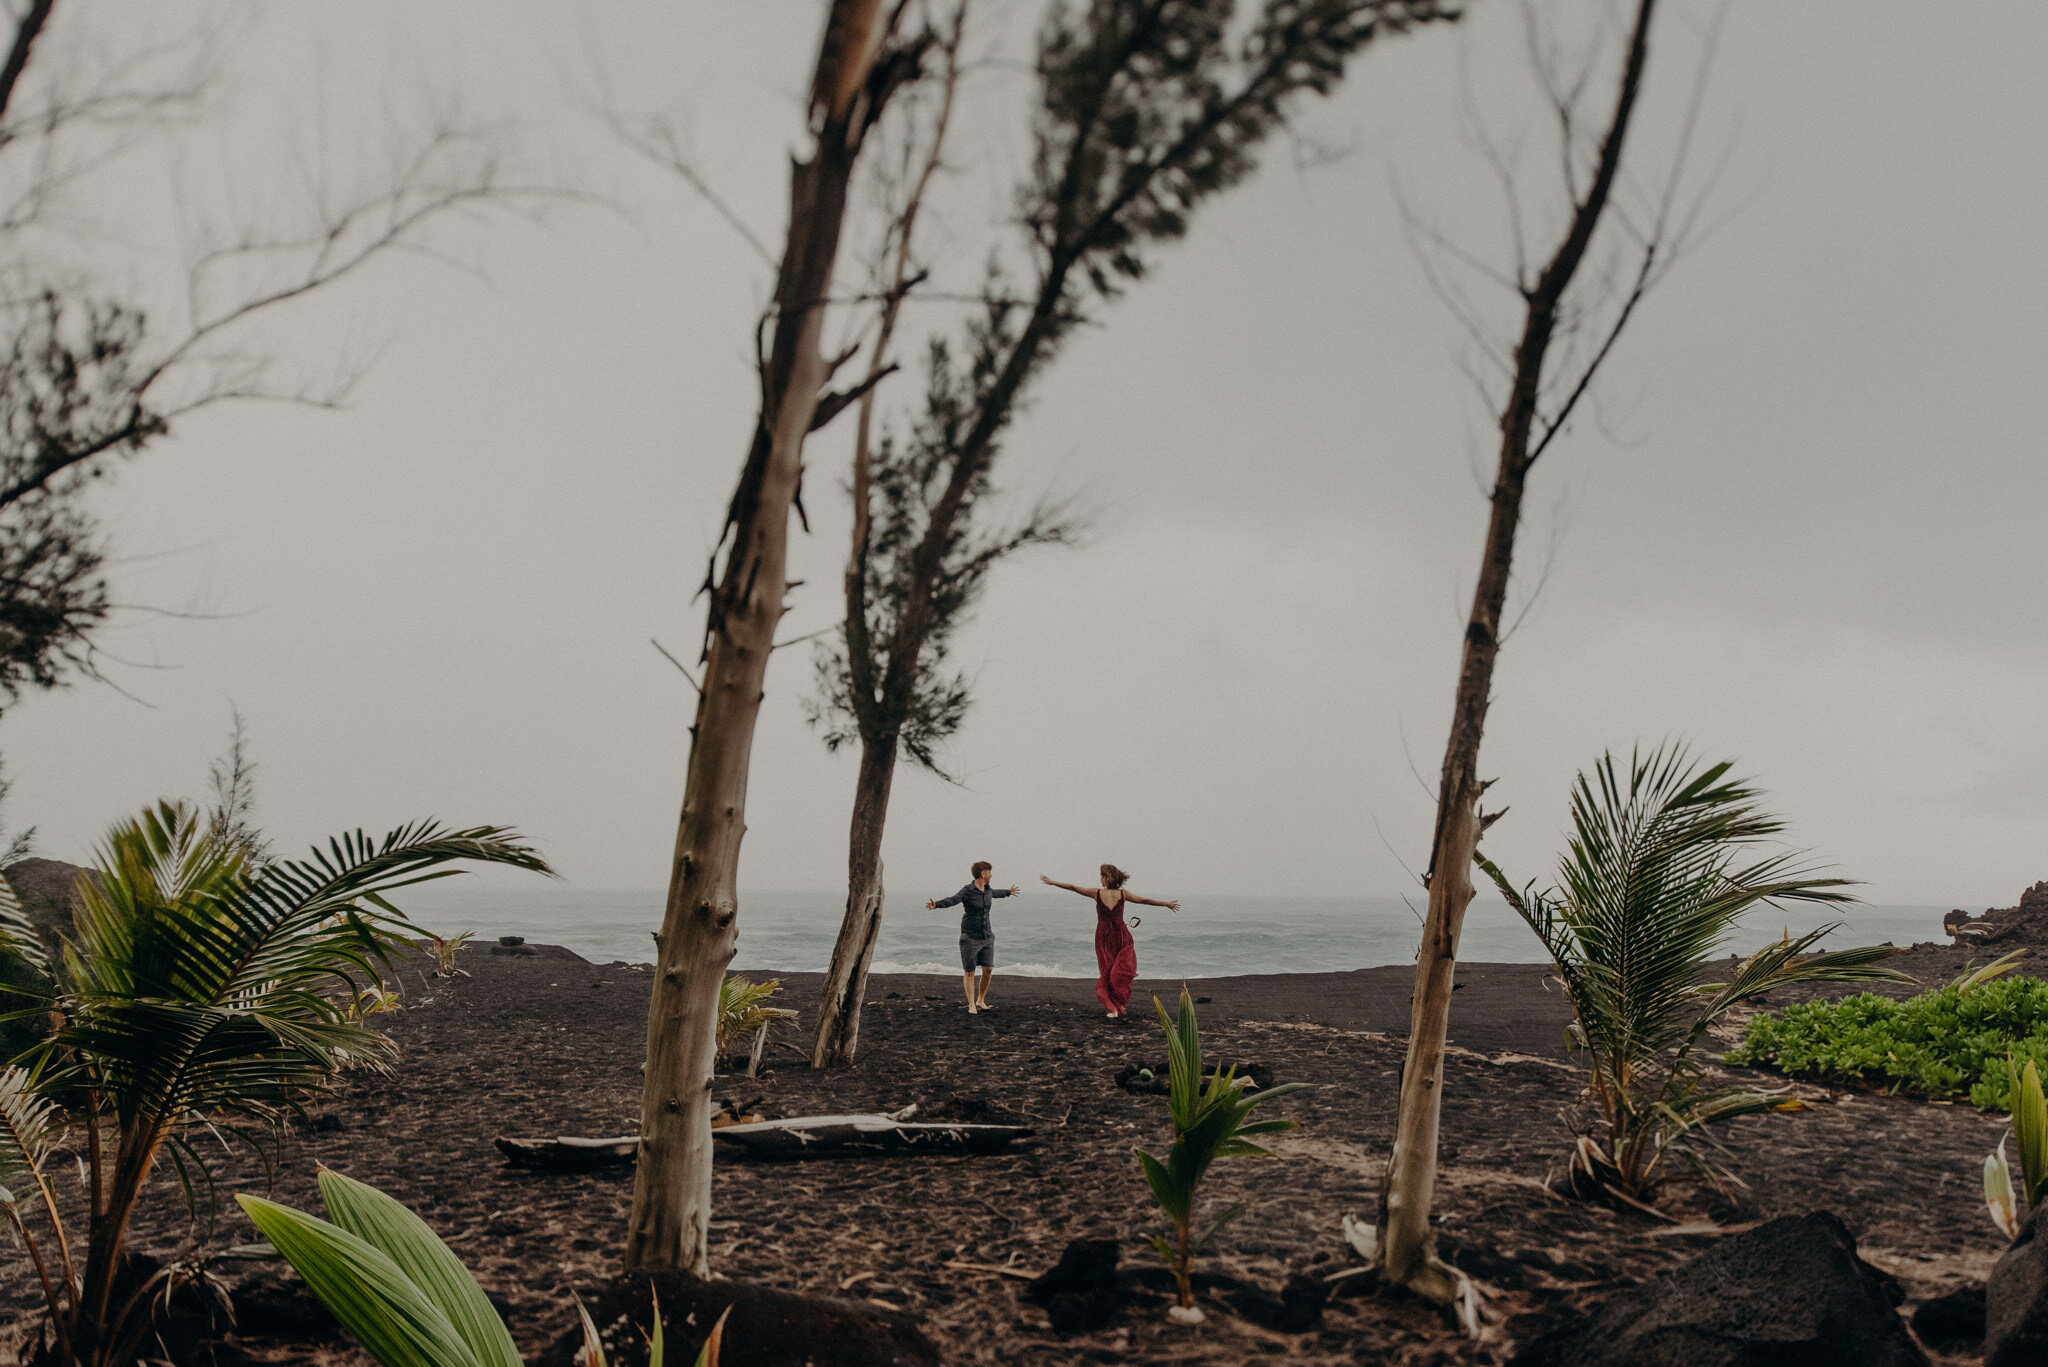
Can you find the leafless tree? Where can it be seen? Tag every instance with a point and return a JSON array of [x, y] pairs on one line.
[[1574, 306], [88, 376], [861, 63]]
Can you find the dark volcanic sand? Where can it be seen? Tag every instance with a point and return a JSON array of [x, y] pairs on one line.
[[552, 1044]]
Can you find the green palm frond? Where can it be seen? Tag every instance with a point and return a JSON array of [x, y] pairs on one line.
[[1209, 1125], [1650, 891], [428, 1263], [368, 1292], [26, 1118], [1973, 976], [743, 1007], [2030, 1128], [203, 991], [197, 983], [1651, 885], [18, 934]]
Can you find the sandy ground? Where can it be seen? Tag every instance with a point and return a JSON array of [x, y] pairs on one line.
[[552, 1044]]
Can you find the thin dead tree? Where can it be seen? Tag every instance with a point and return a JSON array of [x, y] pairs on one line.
[[838, 1032], [1574, 308], [861, 63], [86, 377], [1147, 108]]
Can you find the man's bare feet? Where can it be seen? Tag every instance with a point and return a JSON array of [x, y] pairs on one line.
[[986, 1006]]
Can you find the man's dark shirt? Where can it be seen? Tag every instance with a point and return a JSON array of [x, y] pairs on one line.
[[973, 903]]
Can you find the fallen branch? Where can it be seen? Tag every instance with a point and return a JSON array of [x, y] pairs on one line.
[[567, 1153], [810, 1136], [798, 1137], [1017, 1272]]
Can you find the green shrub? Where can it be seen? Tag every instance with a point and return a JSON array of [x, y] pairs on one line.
[[1948, 1042]]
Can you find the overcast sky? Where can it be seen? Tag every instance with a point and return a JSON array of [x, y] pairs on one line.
[[1806, 532]]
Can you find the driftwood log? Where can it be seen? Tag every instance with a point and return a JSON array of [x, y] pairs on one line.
[[567, 1153], [806, 1136], [810, 1136]]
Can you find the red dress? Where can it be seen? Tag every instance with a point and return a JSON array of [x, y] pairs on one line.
[[1115, 955]]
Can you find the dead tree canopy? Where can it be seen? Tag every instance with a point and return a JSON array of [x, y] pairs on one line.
[[90, 374]]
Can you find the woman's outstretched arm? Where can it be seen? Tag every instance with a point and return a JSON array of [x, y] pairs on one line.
[[1150, 902], [1054, 882]]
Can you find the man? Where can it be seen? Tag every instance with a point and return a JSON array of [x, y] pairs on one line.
[[977, 936]]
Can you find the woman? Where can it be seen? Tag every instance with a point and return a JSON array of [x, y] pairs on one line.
[[1115, 955]]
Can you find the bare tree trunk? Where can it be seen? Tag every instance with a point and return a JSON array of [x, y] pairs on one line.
[[838, 1036], [1405, 1246], [669, 1225], [1407, 1255], [846, 978]]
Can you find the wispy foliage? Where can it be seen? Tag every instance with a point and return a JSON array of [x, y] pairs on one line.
[[1147, 109], [231, 819], [70, 395]]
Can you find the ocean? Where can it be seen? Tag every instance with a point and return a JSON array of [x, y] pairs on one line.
[[1050, 934]]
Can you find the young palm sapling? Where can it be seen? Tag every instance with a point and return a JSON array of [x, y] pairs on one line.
[[1209, 1123], [2010, 1207]]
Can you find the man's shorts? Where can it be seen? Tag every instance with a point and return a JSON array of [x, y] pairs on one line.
[[977, 953]]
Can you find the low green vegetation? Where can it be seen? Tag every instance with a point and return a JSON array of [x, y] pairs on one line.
[[1209, 1123], [743, 1009], [400, 1291], [1949, 1042], [1655, 878], [199, 998], [2011, 1204]]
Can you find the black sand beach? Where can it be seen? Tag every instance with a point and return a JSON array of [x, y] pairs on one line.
[[552, 1044]]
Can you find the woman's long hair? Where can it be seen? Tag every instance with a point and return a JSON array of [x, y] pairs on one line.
[[1113, 877]]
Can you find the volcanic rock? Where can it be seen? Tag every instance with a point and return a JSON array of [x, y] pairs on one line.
[[766, 1327], [2016, 1299], [1953, 1323], [1079, 1292], [1789, 1291], [2025, 923], [46, 888]]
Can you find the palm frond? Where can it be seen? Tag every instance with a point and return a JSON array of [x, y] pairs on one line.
[[425, 1260], [1209, 1125], [1972, 976], [27, 1117], [18, 934], [364, 1287], [743, 1007], [1650, 887], [2030, 1128], [198, 983]]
